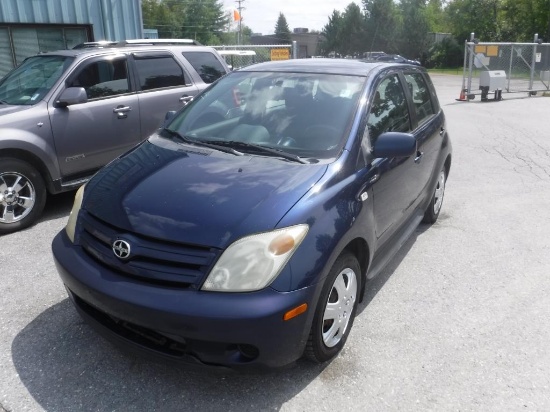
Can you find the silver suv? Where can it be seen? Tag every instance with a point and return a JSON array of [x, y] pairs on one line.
[[65, 114]]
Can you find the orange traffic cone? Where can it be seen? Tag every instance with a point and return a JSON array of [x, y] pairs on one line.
[[462, 97]]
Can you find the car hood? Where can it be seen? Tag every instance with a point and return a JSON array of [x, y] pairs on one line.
[[197, 196]]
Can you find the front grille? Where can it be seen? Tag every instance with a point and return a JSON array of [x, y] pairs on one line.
[[150, 260]]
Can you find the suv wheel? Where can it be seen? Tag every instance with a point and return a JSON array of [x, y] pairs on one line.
[[22, 195]]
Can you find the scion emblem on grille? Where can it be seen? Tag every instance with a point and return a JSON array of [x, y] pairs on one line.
[[121, 249]]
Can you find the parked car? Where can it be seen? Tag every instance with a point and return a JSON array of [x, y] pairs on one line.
[[247, 241], [238, 58], [396, 58], [65, 114]]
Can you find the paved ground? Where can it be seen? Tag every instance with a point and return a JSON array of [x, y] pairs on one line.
[[459, 321]]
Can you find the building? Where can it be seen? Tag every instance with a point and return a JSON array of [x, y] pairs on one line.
[[29, 27]]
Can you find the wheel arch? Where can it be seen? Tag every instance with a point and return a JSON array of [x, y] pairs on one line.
[[360, 249], [34, 160], [447, 165]]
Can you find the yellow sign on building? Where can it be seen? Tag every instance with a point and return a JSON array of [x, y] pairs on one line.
[[280, 54]]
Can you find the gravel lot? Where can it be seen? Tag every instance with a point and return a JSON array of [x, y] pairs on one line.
[[458, 321]]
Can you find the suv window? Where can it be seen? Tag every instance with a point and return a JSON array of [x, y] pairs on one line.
[[420, 96], [389, 112], [103, 79], [206, 64], [156, 72]]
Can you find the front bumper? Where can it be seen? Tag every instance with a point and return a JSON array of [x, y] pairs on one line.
[[236, 330]]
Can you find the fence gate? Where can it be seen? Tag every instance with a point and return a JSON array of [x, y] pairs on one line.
[[494, 68], [243, 55]]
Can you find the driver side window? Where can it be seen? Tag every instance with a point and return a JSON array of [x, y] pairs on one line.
[[103, 79], [388, 111]]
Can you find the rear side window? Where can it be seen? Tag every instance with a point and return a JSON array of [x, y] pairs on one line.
[[103, 79], [389, 111], [206, 64], [157, 72], [421, 98]]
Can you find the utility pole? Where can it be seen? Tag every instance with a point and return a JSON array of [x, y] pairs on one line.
[[240, 8]]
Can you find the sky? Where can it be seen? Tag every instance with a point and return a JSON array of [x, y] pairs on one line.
[[261, 15]]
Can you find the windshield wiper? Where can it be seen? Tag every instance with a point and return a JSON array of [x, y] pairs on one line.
[[187, 139], [260, 149]]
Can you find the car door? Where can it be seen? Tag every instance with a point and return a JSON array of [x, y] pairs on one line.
[[394, 186], [429, 123], [90, 134], [163, 85]]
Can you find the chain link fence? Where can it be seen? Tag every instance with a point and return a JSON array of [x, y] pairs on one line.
[[244, 55], [505, 68]]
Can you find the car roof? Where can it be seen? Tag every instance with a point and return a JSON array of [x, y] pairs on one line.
[[328, 66]]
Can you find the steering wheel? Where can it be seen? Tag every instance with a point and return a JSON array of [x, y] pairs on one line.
[[322, 136], [287, 141]]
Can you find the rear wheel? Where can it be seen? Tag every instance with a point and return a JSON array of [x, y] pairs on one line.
[[335, 310], [22, 195], [432, 212]]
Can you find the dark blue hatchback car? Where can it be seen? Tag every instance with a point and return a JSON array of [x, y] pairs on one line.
[[242, 234]]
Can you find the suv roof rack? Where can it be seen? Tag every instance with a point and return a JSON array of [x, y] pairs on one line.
[[154, 42], [93, 44], [137, 42]]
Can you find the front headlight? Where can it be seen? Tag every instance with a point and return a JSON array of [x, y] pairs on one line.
[[71, 224], [251, 263]]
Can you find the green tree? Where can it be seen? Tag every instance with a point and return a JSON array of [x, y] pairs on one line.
[[478, 16], [352, 31], [158, 15], [282, 32], [331, 38], [381, 23], [414, 29], [436, 17], [203, 20], [521, 19]]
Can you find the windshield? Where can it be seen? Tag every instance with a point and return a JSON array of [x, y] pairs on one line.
[[306, 115], [30, 82]]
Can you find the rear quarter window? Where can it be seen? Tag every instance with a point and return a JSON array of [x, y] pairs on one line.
[[156, 72], [421, 96], [206, 64]]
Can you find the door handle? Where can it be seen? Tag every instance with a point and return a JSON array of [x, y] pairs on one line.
[[418, 157], [442, 131], [374, 178], [186, 99], [121, 111]]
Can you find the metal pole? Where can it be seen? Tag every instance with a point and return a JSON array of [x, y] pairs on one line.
[[510, 70], [533, 61], [471, 62], [464, 68], [294, 49]]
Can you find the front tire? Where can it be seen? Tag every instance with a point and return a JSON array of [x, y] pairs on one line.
[[335, 310], [22, 195], [432, 212]]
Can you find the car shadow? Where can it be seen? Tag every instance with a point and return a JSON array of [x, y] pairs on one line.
[[57, 206], [66, 366], [373, 286]]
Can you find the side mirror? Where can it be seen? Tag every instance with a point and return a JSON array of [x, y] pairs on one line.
[[72, 95], [169, 116], [394, 144]]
